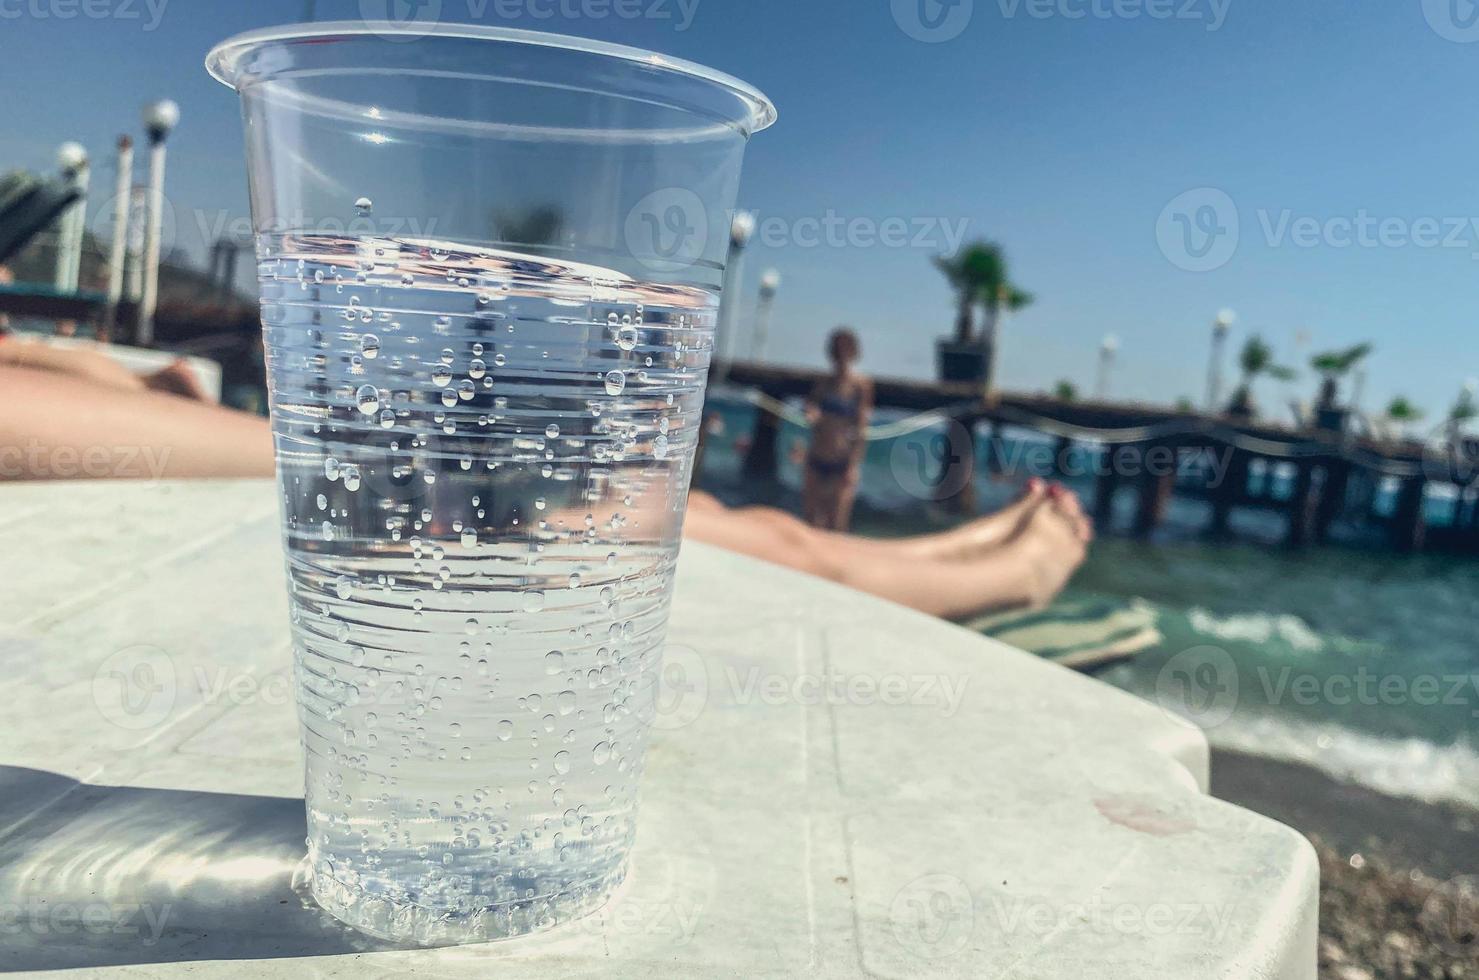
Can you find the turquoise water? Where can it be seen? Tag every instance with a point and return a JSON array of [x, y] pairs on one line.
[[1358, 661]]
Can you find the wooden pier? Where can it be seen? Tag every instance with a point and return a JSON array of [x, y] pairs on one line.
[[1154, 453]]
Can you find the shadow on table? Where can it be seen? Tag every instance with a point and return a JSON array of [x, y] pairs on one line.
[[107, 876]]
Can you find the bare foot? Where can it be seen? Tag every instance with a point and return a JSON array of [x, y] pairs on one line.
[[177, 379], [1072, 509], [984, 533], [1050, 548]]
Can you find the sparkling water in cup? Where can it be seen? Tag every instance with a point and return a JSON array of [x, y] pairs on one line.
[[490, 264]]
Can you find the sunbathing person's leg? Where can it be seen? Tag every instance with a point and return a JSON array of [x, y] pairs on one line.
[[59, 427], [82, 364], [1027, 569]]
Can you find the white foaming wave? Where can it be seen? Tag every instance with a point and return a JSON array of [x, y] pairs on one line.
[[1257, 628], [1408, 767]]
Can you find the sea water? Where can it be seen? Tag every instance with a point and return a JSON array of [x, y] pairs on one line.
[[483, 461], [1346, 658]]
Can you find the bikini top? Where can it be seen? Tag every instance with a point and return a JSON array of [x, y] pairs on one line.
[[846, 408]]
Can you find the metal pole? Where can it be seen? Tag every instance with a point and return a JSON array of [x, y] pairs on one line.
[[73, 160], [154, 223], [770, 281], [78, 225], [138, 207], [118, 249], [159, 118], [1107, 351], [1214, 372], [740, 231], [1220, 328]]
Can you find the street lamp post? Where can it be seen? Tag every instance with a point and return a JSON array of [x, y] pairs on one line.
[[1220, 327], [118, 248], [159, 119], [741, 229], [77, 171], [1108, 347], [770, 281]]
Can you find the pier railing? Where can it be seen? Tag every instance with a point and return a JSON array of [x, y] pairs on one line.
[[1334, 473]]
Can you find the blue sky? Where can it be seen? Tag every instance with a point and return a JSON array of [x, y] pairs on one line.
[[1338, 137]]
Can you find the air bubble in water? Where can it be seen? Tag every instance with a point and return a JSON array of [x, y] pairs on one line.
[[368, 399]]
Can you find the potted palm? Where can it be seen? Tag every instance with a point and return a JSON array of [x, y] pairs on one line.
[[1403, 414], [1464, 411], [1255, 360], [978, 275], [1332, 367]]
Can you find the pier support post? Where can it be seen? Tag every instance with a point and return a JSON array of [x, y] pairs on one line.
[[1062, 448], [761, 460], [996, 448], [1229, 492], [1303, 501], [1156, 484], [1105, 484], [958, 480], [1409, 529], [1332, 498]]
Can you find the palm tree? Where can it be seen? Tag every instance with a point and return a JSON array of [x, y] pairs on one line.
[[1334, 365], [1255, 360], [978, 274], [1065, 391]]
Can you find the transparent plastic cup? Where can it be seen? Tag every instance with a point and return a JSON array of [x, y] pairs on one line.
[[490, 263]]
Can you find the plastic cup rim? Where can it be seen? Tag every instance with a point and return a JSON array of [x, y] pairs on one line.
[[224, 60]]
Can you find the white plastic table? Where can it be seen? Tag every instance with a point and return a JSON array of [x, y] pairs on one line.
[[839, 787]]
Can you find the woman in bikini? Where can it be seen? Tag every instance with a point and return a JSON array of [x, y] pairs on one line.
[[839, 408]]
